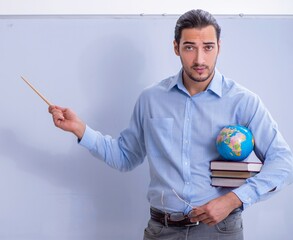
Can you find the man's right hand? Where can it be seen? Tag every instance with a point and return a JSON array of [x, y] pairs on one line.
[[67, 120]]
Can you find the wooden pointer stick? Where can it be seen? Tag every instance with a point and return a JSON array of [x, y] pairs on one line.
[[36, 91]]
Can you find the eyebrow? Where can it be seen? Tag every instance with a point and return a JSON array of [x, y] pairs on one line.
[[206, 43]]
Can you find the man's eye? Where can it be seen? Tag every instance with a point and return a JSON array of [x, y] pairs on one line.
[[209, 48], [189, 48]]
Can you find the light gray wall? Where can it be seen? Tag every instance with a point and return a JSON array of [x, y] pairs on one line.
[[53, 189], [144, 6]]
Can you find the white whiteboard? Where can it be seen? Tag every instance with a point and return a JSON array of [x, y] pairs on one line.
[[263, 7], [53, 189]]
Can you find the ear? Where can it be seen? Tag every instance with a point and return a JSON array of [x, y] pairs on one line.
[[176, 48]]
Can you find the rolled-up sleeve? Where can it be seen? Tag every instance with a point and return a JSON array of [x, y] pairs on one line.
[[273, 151]]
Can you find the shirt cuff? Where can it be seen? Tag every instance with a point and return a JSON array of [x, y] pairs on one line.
[[246, 194], [89, 138]]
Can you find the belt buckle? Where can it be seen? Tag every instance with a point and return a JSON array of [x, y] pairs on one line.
[[180, 217]]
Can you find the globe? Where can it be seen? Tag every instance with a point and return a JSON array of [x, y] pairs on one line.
[[235, 143]]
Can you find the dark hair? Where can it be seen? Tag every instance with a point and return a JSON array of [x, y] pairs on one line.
[[195, 19]]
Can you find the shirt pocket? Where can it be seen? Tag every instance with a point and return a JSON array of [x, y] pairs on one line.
[[159, 136]]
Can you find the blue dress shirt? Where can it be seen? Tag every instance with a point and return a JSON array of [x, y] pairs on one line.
[[177, 133]]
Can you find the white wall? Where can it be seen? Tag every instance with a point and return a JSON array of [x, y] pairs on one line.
[[15, 7], [52, 189]]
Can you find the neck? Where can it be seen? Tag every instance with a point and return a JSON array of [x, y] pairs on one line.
[[194, 87]]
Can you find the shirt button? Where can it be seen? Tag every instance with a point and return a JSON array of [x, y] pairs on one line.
[[187, 183], [185, 163]]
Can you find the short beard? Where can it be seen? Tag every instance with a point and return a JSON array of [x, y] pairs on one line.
[[199, 80]]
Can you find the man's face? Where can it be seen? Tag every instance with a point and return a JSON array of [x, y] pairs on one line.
[[198, 50]]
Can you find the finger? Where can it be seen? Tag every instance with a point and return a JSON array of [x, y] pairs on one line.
[[51, 108], [192, 214], [197, 212], [202, 215], [210, 223], [200, 218], [57, 115], [59, 123], [61, 108], [56, 112], [204, 218]]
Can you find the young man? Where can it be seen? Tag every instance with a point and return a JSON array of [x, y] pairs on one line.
[[175, 124]]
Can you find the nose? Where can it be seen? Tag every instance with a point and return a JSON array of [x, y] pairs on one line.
[[200, 57]]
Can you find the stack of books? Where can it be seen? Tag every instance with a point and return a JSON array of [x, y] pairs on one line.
[[231, 173]]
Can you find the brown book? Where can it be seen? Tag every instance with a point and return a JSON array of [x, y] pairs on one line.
[[235, 166], [227, 182], [232, 174]]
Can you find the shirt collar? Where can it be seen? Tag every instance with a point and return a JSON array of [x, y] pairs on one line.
[[215, 85]]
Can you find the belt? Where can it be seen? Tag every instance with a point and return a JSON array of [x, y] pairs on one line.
[[167, 219]]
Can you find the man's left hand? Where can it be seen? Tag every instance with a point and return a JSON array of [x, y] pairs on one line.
[[216, 210]]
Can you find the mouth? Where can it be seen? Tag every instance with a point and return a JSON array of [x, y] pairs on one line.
[[199, 69]]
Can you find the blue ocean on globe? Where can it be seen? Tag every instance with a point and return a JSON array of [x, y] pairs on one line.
[[235, 143]]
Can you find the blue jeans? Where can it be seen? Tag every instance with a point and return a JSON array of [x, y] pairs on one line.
[[229, 229]]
